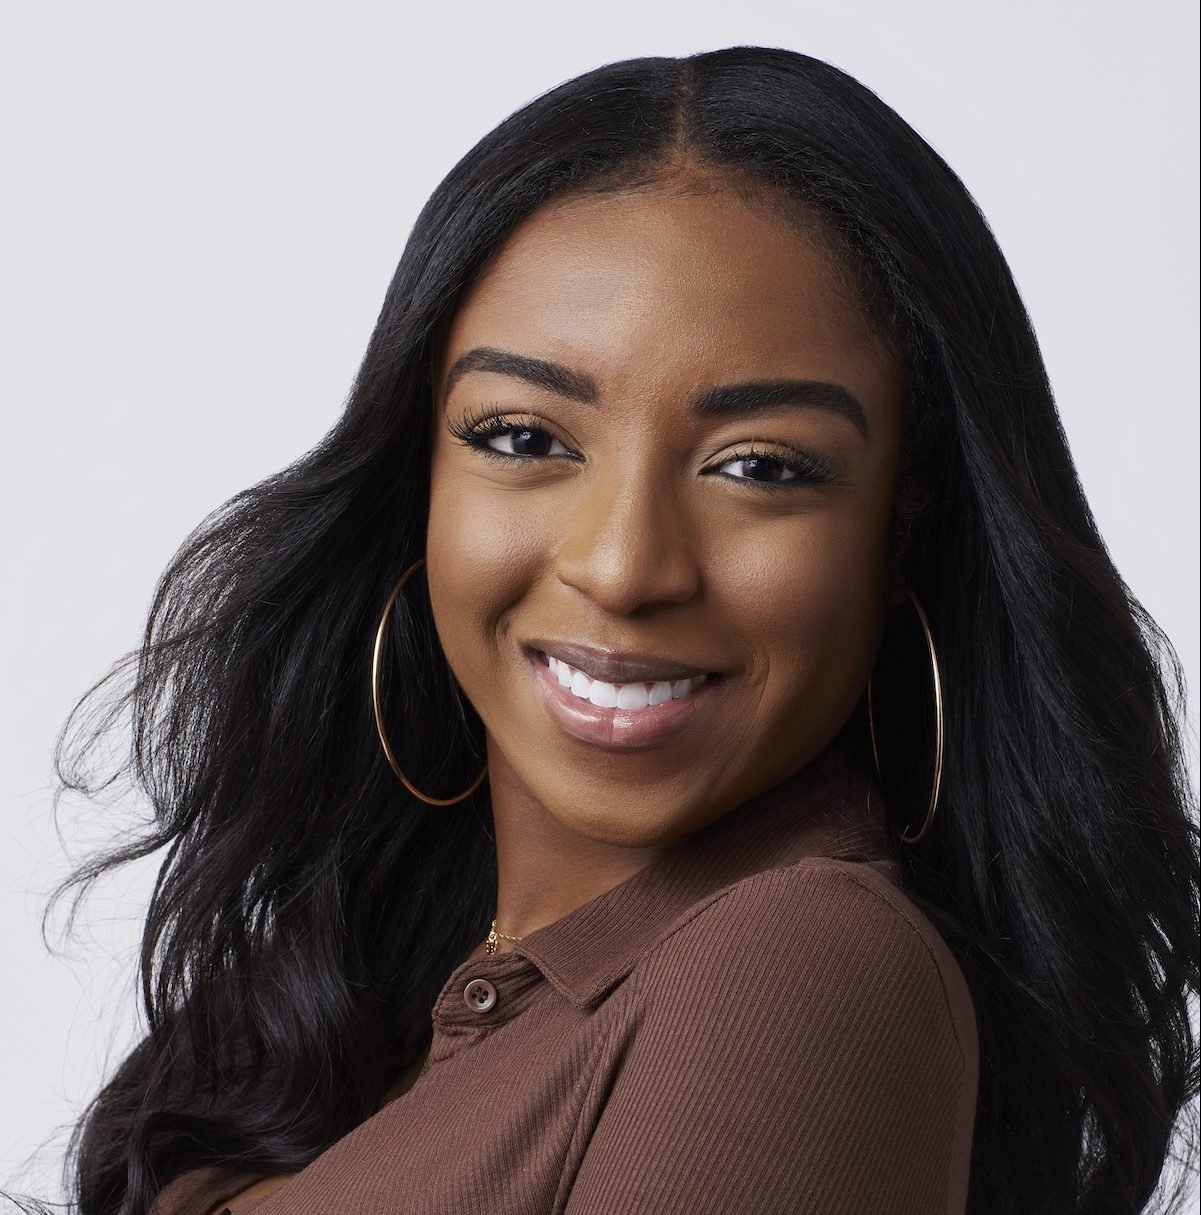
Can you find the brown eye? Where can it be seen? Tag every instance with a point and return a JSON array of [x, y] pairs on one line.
[[765, 468], [769, 470], [496, 438], [527, 442]]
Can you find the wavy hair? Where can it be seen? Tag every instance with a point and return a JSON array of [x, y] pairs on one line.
[[308, 910]]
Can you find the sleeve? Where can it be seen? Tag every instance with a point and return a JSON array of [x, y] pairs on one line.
[[796, 1053]]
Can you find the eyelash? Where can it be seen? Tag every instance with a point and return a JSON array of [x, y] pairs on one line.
[[478, 427]]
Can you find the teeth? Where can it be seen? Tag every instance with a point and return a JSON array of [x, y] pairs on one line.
[[660, 692], [629, 696], [603, 695]]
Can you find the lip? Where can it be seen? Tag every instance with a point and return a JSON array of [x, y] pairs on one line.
[[613, 666], [617, 729]]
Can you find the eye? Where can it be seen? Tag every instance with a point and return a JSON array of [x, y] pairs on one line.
[[497, 438], [763, 468], [777, 470], [523, 441]]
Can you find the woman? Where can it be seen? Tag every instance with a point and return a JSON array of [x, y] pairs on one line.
[[679, 742]]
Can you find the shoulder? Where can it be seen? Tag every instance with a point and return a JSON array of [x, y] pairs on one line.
[[828, 940], [806, 1022]]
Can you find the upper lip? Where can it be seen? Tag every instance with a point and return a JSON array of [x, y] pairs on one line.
[[613, 666]]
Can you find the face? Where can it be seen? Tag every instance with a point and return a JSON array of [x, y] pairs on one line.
[[666, 457]]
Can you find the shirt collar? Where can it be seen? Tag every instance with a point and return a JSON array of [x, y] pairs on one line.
[[831, 808]]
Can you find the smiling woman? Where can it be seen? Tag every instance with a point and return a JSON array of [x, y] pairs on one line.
[[683, 431], [791, 812]]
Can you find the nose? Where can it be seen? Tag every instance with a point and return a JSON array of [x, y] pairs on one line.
[[628, 543]]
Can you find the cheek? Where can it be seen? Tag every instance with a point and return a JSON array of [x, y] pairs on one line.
[[812, 607], [479, 561]]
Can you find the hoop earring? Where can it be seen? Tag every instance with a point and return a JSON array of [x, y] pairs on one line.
[[378, 706], [938, 727]]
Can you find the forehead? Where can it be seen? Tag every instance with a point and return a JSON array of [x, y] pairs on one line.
[[665, 282]]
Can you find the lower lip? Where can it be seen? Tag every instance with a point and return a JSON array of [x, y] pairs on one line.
[[619, 729]]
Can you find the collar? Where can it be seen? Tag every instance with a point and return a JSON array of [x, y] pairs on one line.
[[831, 808]]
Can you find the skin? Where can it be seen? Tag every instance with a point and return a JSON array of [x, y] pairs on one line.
[[640, 544]]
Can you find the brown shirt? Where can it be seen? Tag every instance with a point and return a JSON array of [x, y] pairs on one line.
[[759, 1021]]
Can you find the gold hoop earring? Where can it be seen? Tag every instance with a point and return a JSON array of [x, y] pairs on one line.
[[938, 725], [378, 705]]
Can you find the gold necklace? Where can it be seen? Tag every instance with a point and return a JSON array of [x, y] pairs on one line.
[[494, 936]]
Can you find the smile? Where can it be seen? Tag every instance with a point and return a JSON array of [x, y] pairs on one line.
[[618, 715], [632, 696]]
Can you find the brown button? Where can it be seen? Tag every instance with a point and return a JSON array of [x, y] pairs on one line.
[[479, 995]]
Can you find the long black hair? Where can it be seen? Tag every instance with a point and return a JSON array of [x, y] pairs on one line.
[[308, 910]]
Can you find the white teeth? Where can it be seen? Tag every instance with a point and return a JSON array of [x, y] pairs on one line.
[[659, 692], [603, 695], [628, 696]]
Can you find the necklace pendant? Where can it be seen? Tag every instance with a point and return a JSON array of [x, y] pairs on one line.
[[490, 944]]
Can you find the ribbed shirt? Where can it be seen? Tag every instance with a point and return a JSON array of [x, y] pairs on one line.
[[759, 1021]]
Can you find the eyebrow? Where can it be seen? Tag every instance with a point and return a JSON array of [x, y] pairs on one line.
[[751, 397]]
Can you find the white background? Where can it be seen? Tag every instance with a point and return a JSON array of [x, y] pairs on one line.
[[204, 203]]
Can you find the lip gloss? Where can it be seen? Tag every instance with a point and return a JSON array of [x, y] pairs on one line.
[[617, 729]]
